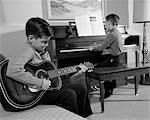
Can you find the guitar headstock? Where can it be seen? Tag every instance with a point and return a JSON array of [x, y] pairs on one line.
[[89, 65]]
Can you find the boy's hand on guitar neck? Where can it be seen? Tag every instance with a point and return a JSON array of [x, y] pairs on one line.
[[82, 67], [46, 84]]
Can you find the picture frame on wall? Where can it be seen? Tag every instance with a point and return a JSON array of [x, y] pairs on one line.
[[68, 9]]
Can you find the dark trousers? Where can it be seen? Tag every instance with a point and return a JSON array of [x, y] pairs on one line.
[[108, 61], [73, 97]]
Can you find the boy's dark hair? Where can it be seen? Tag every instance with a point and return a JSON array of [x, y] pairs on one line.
[[38, 27], [113, 18]]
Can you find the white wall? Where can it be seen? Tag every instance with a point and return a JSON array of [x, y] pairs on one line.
[[134, 28], [1, 13], [119, 7], [12, 42], [15, 13], [19, 11], [13, 16], [137, 28]]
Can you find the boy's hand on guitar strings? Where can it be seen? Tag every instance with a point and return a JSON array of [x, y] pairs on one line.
[[46, 84]]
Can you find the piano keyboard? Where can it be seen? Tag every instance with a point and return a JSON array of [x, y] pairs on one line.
[[105, 51], [74, 50]]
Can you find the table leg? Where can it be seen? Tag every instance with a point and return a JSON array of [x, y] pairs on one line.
[[136, 82], [88, 85], [101, 84]]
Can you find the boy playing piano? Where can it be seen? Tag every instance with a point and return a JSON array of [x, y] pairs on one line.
[[112, 43]]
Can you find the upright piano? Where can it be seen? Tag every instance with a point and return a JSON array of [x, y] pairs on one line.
[[70, 49]]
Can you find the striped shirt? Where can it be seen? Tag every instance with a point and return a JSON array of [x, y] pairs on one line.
[[112, 42], [16, 65]]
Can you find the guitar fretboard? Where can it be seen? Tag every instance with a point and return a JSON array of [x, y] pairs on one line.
[[62, 71]]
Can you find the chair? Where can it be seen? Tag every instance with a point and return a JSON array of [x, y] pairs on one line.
[[2, 57], [5, 99]]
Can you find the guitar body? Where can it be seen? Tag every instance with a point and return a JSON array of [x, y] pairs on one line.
[[40, 71], [17, 94]]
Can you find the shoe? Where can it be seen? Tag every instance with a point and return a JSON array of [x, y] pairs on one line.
[[94, 88], [108, 93], [111, 92]]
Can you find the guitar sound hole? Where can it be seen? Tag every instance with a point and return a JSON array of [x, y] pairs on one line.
[[42, 75]]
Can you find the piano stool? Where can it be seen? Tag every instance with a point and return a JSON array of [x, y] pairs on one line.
[[102, 74], [40, 112]]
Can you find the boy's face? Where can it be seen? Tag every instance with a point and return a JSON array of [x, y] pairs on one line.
[[40, 43], [108, 25]]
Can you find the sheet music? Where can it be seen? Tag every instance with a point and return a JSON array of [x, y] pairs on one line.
[[83, 25], [89, 26], [97, 25]]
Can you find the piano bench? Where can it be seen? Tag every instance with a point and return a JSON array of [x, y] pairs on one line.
[[102, 74]]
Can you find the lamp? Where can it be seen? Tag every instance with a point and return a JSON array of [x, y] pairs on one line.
[[141, 14]]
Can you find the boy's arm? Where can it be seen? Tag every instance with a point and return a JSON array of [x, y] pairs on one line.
[[109, 39], [82, 70], [17, 71], [46, 56]]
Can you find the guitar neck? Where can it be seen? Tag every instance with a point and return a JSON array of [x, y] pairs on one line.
[[62, 71]]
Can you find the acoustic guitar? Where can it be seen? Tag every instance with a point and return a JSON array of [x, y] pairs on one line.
[[20, 95]]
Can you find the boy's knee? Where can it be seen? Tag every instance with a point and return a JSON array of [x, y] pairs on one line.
[[81, 87], [71, 94], [78, 79]]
